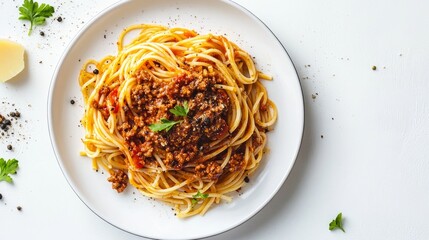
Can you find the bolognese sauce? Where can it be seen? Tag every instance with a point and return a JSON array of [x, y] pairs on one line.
[[187, 141]]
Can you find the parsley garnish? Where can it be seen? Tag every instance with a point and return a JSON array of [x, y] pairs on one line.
[[165, 124], [7, 168], [180, 111], [34, 13], [197, 196], [337, 223]]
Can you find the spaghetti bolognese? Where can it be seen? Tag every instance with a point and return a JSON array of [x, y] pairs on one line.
[[180, 116]]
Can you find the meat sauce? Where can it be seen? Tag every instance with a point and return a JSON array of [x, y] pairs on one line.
[[119, 180], [186, 142]]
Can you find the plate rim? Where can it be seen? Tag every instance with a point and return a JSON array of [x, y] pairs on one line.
[[54, 80]]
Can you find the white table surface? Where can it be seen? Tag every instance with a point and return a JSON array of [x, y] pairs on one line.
[[372, 163]]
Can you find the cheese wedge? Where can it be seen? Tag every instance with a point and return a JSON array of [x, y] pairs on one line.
[[11, 59]]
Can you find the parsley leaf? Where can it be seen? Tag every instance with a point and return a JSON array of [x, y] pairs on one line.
[[181, 111], [200, 195], [165, 124], [34, 13], [7, 168], [337, 223], [197, 196]]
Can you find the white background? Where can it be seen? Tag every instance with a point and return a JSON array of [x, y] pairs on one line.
[[372, 163]]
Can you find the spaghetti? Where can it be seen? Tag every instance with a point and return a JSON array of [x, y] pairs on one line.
[[182, 117]]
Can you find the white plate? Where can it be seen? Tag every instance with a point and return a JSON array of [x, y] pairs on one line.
[[132, 212]]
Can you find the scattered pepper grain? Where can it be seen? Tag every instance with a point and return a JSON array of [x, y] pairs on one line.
[[246, 179]]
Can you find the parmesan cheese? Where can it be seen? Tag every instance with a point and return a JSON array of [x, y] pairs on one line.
[[11, 59]]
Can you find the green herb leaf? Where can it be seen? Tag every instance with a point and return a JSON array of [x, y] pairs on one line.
[[7, 168], [200, 195], [337, 223], [180, 111], [31, 11], [165, 124], [197, 196]]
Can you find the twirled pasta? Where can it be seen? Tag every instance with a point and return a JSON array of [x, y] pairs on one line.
[[180, 67]]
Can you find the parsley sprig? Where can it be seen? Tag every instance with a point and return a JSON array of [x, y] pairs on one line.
[[34, 13], [6, 168], [337, 223], [197, 196], [165, 124], [181, 111]]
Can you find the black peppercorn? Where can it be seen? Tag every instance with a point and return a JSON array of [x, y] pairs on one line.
[[59, 19], [72, 101], [42, 33], [246, 179], [9, 147], [95, 71]]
